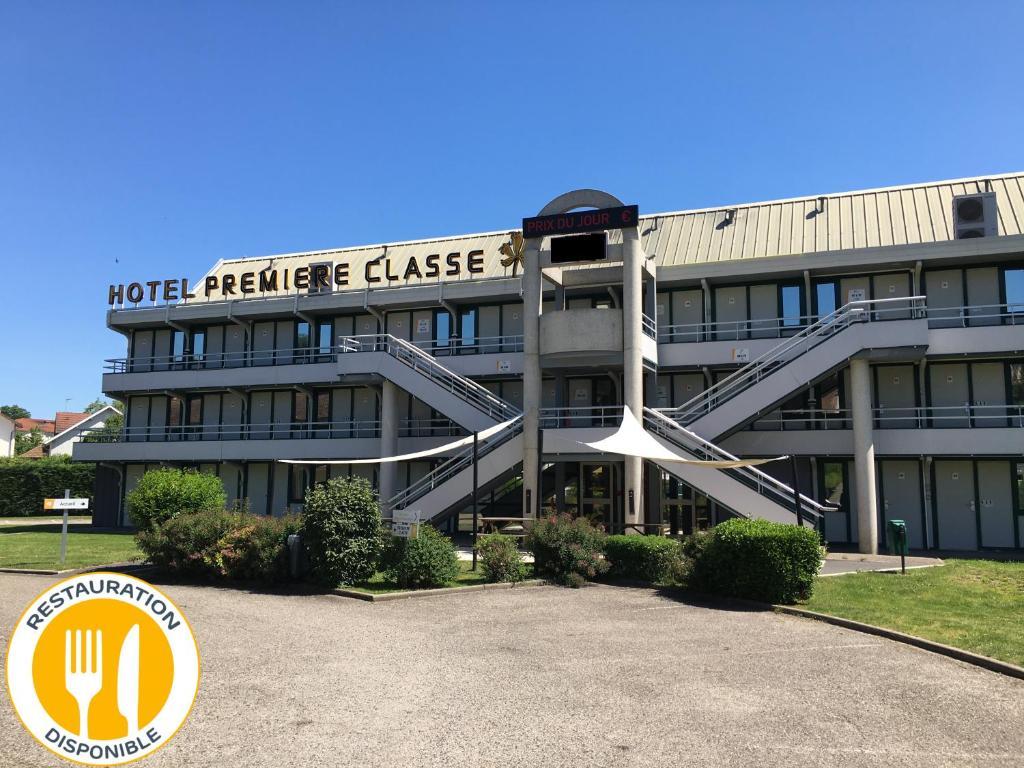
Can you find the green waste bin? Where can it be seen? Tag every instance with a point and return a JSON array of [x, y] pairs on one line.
[[896, 537]]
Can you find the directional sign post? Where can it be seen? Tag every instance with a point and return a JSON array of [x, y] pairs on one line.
[[405, 523], [65, 504]]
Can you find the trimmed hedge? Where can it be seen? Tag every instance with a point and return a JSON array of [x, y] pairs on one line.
[[646, 558], [24, 483], [429, 560], [165, 493], [218, 544], [755, 560], [568, 549]]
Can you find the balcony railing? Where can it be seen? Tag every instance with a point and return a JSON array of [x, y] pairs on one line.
[[299, 430], [649, 326], [439, 427], [929, 417], [299, 355], [779, 327], [587, 416]]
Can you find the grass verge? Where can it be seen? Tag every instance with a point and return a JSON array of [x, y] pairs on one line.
[[977, 605], [38, 547], [379, 584]]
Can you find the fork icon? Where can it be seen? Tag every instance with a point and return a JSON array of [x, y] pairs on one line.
[[85, 681]]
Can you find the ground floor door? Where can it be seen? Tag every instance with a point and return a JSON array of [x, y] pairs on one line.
[[900, 486], [956, 523]]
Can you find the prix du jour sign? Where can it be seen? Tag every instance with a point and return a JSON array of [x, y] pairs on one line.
[[578, 222]]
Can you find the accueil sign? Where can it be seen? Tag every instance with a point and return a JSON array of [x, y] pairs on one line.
[[316, 277]]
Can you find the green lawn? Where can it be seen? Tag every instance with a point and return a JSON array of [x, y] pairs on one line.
[[38, 546], [379, 583], [977, 605]]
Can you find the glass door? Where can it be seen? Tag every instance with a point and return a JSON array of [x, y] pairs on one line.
[[596, 498]]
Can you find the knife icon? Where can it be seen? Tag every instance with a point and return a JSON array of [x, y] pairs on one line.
[[128, 680]]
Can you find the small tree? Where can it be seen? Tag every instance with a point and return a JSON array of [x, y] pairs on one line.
[[342, 531], [26, 441], [167, 492], [96, 405], [15, 412]]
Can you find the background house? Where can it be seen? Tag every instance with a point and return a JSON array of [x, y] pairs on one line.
[[7, 432]]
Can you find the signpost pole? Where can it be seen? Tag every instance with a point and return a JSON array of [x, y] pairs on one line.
[[476, 490], [64, 531]]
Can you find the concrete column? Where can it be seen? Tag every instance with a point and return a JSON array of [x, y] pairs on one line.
[[531, 373], [864, 456], [389, 418], [632, 364]]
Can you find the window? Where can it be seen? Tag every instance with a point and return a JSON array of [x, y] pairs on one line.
[[178, 348], [195, 417], [1017, 383], [298, 480], [324, 339], [825, 298], [302, 342], [1013, 285], [791, 305], [467, 329], [199, 348], [442, 331]]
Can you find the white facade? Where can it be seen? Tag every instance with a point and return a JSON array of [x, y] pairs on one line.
[[7, 433], [851, 331]]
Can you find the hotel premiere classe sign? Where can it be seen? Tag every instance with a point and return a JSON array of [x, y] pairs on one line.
[[314, 276]]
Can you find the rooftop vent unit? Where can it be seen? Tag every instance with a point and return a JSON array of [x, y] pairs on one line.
[[975, 216]]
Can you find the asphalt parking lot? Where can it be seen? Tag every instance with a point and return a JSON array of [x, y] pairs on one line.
[[545, 676]]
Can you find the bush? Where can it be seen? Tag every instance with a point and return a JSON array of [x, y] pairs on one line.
[[166, 493], [648, 558], [342, 531], [221, 544], [500, 559], [755, 560], [429, 560], [24, 483], [568, 549]]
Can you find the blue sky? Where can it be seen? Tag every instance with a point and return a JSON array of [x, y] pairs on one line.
[[147, 140]]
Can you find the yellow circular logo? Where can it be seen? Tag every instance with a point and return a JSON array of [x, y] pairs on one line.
[[102, 668]]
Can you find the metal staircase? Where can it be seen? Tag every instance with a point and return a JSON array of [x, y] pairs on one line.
[[746, 490], [754, 389], [469, 404], [450, 485]]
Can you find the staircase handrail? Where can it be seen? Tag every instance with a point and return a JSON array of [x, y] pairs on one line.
[[453, 466], [409, 354], [798, 344], [760, 480]]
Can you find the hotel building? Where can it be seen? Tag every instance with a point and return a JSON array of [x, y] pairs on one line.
[[874, 338]]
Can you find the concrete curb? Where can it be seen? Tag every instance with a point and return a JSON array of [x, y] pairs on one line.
[[125, 566], [993, 665], [385, 596]]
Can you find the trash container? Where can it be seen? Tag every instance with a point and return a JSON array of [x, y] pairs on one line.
[[896, 537]]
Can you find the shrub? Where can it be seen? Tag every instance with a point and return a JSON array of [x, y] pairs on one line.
[[567, 549], [342, 531], [755, 560], [165, 493], [221, 544], [647, 558], [429, 560], [24, 483], [500, 559]]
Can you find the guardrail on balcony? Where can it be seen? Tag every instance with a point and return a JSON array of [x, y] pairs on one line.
[[649, 326], [589, 416], [298, 355], [303, 430], [930, 417], [780, 327], [439, 427], [810, 337], [409, 354]]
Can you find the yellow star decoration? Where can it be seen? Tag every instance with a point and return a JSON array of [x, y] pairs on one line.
[[512, 251]]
